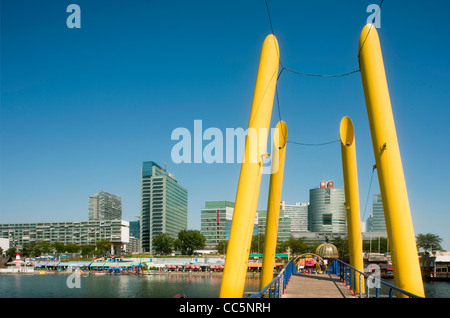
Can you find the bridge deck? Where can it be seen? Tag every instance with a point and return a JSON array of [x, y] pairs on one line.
[[316, 286]]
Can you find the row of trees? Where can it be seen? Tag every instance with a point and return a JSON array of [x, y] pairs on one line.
[[190, 240], [295, 246], [187, 242], [35, 249], [427, 242]]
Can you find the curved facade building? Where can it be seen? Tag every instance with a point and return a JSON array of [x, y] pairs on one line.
[[326, 211]]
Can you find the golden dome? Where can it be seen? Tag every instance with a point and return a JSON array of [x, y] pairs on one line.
[[327, 250]]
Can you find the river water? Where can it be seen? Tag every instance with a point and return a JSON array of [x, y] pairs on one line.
[[140, 286], [113, 286]]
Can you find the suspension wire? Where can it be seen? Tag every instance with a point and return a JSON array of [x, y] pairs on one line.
[[283, 68], [370, 28], [368, 192], [317, 75]]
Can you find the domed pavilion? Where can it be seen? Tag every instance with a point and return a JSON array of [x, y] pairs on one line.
[[327, 251]]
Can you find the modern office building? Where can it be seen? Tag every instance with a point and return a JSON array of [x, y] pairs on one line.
[[284, 225], [163, 204], [376, 221], [216, 220], [327, 211], [81, 233], [298, 213], [105, 206], [135, 229]]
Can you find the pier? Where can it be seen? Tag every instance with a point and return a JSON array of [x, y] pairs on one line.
[[316, 286]]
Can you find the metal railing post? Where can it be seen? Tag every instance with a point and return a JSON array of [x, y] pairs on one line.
[[360, 285]]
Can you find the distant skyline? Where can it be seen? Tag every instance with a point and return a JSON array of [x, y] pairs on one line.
[[82, 109]]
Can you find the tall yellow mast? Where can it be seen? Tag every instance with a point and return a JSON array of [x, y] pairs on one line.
[[235, 270], [389, 165]]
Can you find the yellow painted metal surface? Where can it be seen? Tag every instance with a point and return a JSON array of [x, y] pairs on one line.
[[235, 269], [389, 166], [350, 172], [273, 204]]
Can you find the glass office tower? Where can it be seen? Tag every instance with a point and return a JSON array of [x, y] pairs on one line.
[[284, 225], [216, 222], [327, 211], [376, 222], [163, 204], [298, 213], [104, 206], [216, 219]]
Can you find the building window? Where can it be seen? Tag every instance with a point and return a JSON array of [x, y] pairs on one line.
[[327, 219], [327, 196]]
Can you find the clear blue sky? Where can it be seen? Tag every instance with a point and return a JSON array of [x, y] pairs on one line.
[[81, 109]]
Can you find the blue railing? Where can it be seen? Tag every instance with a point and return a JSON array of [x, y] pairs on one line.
[[277, 286], [358, 281]]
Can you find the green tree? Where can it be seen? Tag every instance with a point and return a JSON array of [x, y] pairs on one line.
[[342, 246], [222, 247], [103, 247], [11, 252], [296, 246], [429, 241], [190, 240], [72, 248], [257, 245], [31, 249], [163, 243], [87, 250], [45, 247], [59, 247]]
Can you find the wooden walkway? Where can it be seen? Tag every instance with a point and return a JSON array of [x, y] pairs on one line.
[[316, 286]]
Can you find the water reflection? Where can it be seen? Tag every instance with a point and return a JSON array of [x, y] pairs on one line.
[[115, 286]]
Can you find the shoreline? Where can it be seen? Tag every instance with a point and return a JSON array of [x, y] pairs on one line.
[[147, 273]]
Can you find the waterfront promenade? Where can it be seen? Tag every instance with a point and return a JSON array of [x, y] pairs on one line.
[[316, 286]]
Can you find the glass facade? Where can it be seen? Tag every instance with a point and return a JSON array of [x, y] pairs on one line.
[[135, 229], [82, 233], [298, 213], [163, 204], [376, 222], [216, 222], [105, 206], [284, 225], [327, 211]]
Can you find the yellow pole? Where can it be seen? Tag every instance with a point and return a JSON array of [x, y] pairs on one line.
[[273, 204], [389, 165], [350, 172], [235, 270]]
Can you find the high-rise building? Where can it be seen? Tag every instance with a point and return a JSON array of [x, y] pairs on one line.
[[163, 204], [327, 211], [284, 225], [81, 233], [298, 213], [135, 229], [104, 206], [216, 220], [376, 222]]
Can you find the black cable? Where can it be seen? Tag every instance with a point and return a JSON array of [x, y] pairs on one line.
[[318, 144], [310, 75], [364, 42], [317, 75]]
